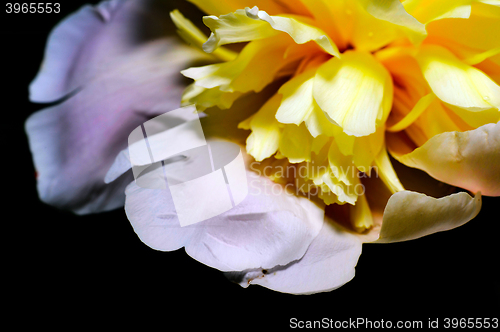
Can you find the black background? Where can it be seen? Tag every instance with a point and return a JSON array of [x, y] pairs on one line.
[[68, 270]]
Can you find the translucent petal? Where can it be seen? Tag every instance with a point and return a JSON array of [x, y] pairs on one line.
[[333, 253], [300, 32], [75, 142], [206, 98], [360, 215], [264, 140], [342, 193], [387, 173], [194, 37], [392, 11], [435, 120], [298, 102], [217, 7], [256, 66], [235, 27], [366, 149], [256, 233], [252, 24], [471, 39], [341, 166], [457, 83], [354, 91], [317, 123], [470, 160], [295, 143], [410, 215], [430, 10]]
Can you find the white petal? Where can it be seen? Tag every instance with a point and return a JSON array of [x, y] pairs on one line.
[[269, 228], [328, 264]]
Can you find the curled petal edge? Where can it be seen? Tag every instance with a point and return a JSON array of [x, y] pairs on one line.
[[410, 215], [469, 160], [328, 264]]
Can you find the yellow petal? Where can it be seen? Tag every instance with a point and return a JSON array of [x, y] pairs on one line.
[[491, 2], [431, 10], [295, 143], [470, 160], [298, 102], [370, 34], [253, 24], [354, 91], [491, 67], [193, 36], [480, 57], [342, 167], [319, 161], [333, 17], [206, 98], [300, 32], [367, 148], [342, 193], [361, 215], [393, 11], [264, 140], [367, 25], [476, 119], [455, 82], [435, 120], [217, 7], [417, 110], [387, 173], [410, 215], [318, 124], [256, 66], [298, 105], [227, 123], [235, 27], [471, 39]]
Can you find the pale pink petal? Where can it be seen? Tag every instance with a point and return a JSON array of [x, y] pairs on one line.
[[75, 143], [91, 40]]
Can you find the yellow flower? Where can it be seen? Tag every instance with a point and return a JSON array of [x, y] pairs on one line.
[[341, 86]]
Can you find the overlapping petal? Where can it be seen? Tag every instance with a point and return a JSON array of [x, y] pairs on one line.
[[194, 37], [223, 7], [427, 11], [328, 264], [330, 115], [355, 91], [409, 215], [264, 140], [257, 233], [394, 12], [456, 83], [469, 160], [253, 24], [252, 70]]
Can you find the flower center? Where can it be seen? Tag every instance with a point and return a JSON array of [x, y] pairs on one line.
[[331, 78]]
